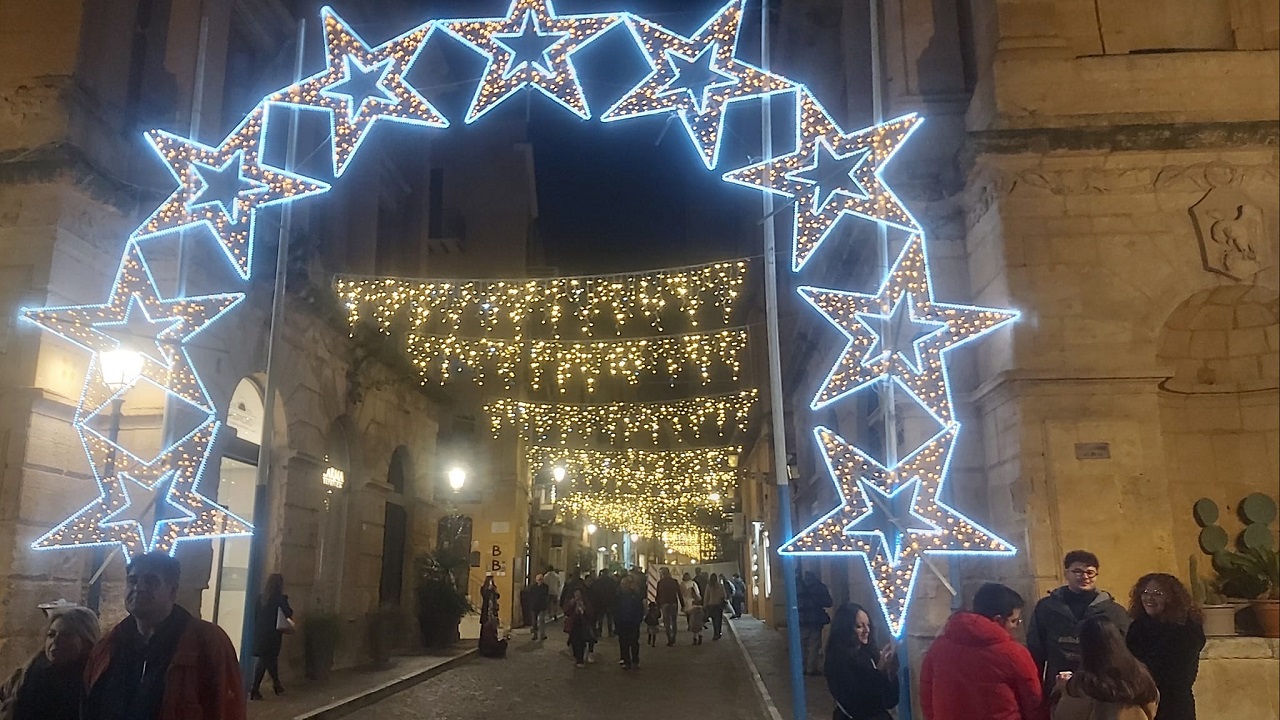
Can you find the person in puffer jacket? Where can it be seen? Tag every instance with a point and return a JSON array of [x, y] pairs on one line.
[[976, 671]]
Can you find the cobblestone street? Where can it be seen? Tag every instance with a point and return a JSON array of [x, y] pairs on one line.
[[538, 680]]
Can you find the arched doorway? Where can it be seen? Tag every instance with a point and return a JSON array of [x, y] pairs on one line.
[[237, 478], [395, 529], [1219, 409]]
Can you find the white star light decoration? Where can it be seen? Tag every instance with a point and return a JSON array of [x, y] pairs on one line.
[[531, 46], [832, 174], [363, 85], [892, 518], [696, 78], [879, 347]]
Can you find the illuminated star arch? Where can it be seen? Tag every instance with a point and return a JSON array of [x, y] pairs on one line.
[[891, 516]]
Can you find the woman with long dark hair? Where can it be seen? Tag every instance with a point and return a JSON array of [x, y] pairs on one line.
[[1110, 683], [862, 678], [267, 635], [1166, 635], [489, 599], [51, 685]]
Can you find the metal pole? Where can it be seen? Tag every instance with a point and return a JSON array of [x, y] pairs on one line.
[[888, 403], [776, 410], [93, 600], [261, 514]]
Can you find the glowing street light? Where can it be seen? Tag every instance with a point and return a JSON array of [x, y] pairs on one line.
[[635, 537], [120, 368], [715, 497], [457, 478], [591, 528], [558, 473]]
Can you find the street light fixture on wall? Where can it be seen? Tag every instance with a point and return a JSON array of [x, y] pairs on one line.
[[591, 528], [457, 478], [120, 368], [557, 473]]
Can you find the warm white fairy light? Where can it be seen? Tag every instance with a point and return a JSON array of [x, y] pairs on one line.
[[685, 420]]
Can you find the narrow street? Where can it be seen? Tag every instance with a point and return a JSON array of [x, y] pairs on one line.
[[539, 680]]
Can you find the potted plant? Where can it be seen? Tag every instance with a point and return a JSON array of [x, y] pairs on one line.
[[1253, 574], [1219, 615], [321, 633], [441, 604], [385, 626]]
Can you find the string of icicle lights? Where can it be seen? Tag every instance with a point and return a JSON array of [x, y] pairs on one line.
[[686, 420], [690, 476], [701, 356], [555, 308]]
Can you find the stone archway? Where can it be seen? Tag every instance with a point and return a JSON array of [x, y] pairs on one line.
[[1220, 407]]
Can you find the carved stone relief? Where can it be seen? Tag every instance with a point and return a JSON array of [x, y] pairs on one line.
[[1232, 231]]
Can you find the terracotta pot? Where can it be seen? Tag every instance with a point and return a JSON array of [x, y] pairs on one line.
[[1267, 613], [1219, 620]]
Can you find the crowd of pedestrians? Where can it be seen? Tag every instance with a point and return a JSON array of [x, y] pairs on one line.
[[1086, 656]]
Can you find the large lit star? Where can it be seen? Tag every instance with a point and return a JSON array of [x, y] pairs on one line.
[[911, 353], [363, 85], [531, 47], [136, 316], [832, 174], [223, 187], [695, 77], [918, 522], [147, 505]]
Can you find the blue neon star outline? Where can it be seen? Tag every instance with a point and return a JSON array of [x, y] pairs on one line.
[[151, 498], [703, 77], [814, 221], [889, 336], [820, 174], [500, 80], [929, 467], [928, 381], [703, 119], [184, 208], [885, 514], [156, 334], [182, 465], [355, 84], [528, 48], [93, 326], [226, 185]]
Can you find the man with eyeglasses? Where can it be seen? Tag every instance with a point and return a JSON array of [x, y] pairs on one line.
[[1053, 634], [975, 670]]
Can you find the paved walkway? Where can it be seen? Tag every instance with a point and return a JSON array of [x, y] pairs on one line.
[[767, 649], [538, 680], [348, 690]]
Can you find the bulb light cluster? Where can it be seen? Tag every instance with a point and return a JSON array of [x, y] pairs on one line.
[[567, 306], [690, 476], [686, 420], [632, 359], [437, 356]]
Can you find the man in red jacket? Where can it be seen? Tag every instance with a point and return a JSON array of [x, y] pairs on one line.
[[976, 671]]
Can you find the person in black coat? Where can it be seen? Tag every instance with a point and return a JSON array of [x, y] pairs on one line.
[[862, 679], [488, 599], [628, 614], [267, 637], [1166, 635]]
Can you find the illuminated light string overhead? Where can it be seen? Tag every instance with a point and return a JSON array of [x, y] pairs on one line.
[[686, 420], [679, 531], [696, 78], [892, 518], [585, 306], [694, 475]]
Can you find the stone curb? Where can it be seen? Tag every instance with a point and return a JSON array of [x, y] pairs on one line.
[[767, 707], [348, 705]]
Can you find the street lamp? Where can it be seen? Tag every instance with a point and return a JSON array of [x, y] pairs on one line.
[[591, 528], [715, 497], [635, 537], [120, 368], [558, 473], [457, 478]]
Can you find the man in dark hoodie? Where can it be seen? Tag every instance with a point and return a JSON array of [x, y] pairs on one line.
[[976, 671], [1053, 635]]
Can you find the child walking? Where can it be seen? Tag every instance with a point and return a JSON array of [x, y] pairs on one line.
[[652, 619], [695, 621]]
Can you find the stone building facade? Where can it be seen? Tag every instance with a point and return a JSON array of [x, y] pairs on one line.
[[1111, 170], [79, 83]]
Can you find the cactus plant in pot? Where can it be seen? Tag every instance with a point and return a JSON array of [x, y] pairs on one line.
[[1219, 615], [1253, 574]]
